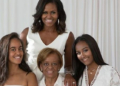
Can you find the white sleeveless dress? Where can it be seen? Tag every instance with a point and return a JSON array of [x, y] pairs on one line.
[[35, 45]]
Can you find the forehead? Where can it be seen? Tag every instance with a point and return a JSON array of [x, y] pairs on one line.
[[81, 45], [52, 58], [15, 42], [50, 6]]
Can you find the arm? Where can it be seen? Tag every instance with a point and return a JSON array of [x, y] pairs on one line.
[[31, 80], [68, 52], [68, 61], [23, 37]]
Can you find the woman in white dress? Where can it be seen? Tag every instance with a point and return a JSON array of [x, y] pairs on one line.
[[49, 62], [88, 64], [49, 30], [13, 69]]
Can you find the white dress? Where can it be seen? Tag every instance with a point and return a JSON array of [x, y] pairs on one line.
[[105, 76], [35, 45], [59, 81]]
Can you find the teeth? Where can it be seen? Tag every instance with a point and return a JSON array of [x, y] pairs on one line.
[[48, 20], [17, 57], [50, 71], [85, 59]]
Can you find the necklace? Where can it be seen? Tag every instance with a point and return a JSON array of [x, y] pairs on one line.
[[91, 71], [96, 74]]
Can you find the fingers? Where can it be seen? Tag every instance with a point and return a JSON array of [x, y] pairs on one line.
[[70, 84], [69, 81]]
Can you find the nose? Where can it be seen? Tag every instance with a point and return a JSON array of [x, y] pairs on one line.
[[17, 52], [48, 15], [50, 66]]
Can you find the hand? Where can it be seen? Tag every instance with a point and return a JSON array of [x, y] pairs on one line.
[[69, 80]]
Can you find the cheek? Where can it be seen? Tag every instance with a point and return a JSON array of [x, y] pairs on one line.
[[78, 56]]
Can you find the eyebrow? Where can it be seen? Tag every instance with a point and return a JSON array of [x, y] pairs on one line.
[[85, 47], [14, 47]]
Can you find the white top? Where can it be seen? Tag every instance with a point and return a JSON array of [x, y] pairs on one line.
[[35, 45], [105, 76], [59, 81]]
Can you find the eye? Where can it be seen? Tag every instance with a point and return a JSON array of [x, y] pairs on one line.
[[13, 49], [21, 49], [85, 50], [45, 64], [53, 12], [54, 64], [44, 12]]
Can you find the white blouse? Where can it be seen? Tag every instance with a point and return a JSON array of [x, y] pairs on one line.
[[59, 81], [105, 76]]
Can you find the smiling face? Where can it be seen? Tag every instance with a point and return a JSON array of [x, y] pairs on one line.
[[15, 51], [50, 66], [84, 53], [50, 15]]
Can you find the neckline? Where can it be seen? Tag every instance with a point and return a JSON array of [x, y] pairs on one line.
[[96, 74], [50, 42]]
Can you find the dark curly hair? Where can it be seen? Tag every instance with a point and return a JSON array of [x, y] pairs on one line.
[[38, 26], [4, 54]]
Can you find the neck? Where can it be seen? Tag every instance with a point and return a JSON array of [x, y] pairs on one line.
[[50, 81], [49, 29], [92, 66], [13, 68]]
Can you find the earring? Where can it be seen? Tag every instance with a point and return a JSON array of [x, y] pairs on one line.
[[58, 21], [40, 21]]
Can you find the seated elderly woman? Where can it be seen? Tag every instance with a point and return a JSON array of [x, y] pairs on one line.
[[13, 69], [49, 61]]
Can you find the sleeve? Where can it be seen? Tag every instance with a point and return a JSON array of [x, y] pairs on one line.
[[115, 80]]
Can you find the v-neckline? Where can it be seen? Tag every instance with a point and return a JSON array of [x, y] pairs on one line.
[[50, 42], [96, 74]]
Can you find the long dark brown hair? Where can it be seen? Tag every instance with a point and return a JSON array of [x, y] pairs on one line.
[[38, 24], [4, 54]]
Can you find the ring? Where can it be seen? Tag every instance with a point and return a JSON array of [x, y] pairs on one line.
[[73, 82]]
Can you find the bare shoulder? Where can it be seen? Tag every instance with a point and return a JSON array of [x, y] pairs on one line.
[[71, 35], [70, 38], [23, 36], [24, 32], [31, 79]]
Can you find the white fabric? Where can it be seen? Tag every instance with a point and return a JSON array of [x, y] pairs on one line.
[[59, 81], [35, 45], [99, 18], [107, 76]]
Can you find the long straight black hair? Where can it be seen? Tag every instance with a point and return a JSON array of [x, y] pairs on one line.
[[78, 67], [4, 54]]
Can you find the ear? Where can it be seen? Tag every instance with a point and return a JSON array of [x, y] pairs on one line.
[[59, 67], [41, 69]]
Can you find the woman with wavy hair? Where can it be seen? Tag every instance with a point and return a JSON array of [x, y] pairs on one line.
[[49, 30], [13, 68]]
